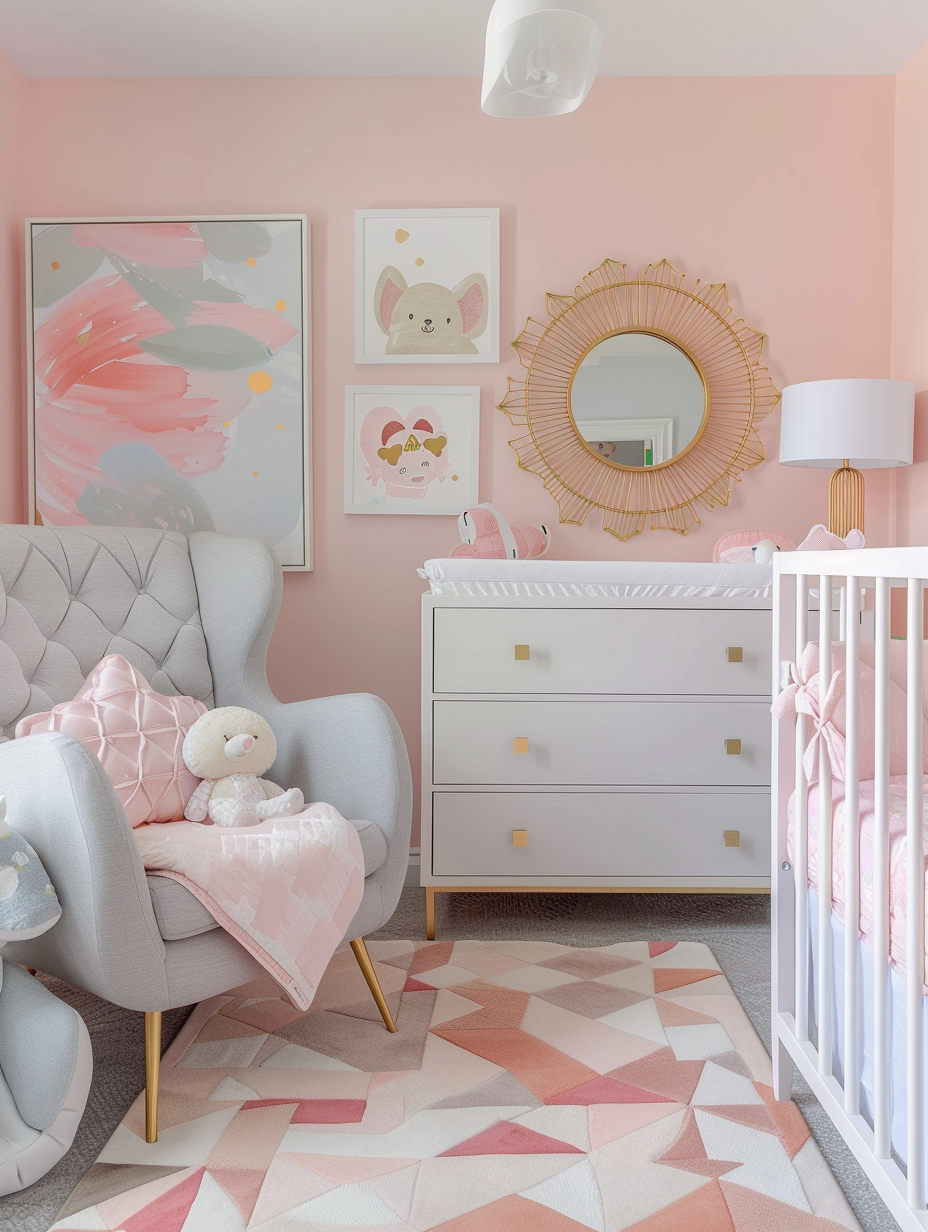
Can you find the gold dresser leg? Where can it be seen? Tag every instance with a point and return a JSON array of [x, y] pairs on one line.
[[152, 1070], [429, 914], [367, 970]]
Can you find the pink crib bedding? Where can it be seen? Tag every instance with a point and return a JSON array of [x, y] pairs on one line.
[[898, 857]]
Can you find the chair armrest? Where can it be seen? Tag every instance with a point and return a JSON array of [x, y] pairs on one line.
[[107, 940], [349, 751]]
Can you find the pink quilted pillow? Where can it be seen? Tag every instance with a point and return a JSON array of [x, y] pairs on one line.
[[736, 539], [137, 734]]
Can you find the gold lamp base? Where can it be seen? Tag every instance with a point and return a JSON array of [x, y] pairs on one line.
[[846, 501]]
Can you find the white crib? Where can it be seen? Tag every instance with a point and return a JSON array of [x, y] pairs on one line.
[[843, 1011]]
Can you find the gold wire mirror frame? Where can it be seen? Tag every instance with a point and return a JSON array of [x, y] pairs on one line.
[[726, 353]]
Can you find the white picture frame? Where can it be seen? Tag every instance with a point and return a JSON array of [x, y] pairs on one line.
[[412, 449], [253, 476], [445, 270]]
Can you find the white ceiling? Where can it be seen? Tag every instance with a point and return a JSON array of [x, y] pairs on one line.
[[444, 38]]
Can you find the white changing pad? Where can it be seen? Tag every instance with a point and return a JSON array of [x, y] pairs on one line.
[[620, 579]]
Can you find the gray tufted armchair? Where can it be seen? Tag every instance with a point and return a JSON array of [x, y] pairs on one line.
[[195, 616]]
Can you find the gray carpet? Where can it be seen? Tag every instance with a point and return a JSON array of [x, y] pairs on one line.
[[736, 928]]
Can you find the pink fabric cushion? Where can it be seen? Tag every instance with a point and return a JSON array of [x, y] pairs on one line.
[[137, 734], [820, 539], [829, 717], [747, 539]]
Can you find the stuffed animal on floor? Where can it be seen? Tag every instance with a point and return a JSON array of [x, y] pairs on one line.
[[46, 1061], [487, 535], [229, 748]]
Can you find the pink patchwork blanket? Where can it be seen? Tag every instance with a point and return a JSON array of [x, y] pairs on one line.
[[286, 889]]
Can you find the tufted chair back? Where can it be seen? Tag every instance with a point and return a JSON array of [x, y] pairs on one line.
[[70, 596]]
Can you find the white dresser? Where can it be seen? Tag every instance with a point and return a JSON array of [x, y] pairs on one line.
[[595, 744]]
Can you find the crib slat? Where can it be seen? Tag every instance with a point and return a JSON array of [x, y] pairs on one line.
[[824, 958], [882, 1075], [801, 832], [853, 1044], [915, 898]]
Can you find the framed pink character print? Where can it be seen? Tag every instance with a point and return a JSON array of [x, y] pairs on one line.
[[411, 448]]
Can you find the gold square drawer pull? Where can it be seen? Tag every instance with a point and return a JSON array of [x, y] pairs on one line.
[[523, 652], [520, 744], [732, 838], [520, 838], [733, 747], [735, 654]]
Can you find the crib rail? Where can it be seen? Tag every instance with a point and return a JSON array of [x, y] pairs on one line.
[[858, 1038]]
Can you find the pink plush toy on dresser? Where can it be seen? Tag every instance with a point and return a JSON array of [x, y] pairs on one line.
[[487, 535]]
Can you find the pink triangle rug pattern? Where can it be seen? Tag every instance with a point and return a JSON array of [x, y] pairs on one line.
[[530, 1086]]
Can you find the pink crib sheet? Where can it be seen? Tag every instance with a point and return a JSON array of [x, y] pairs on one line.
[[898, 857]]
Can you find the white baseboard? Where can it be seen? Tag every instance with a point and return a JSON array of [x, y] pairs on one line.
[[412, 869]]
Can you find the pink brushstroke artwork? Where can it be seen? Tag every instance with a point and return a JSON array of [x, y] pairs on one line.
[[97, 388], [161, 245]]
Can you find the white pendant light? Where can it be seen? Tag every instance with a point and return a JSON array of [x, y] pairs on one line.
[[541, 56]]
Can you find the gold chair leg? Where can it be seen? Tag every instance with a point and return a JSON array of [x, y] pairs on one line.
[[152, 1070], [367, 970], [29, 970], [429, 914]]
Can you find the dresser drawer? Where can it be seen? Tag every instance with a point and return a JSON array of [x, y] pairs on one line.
[[599, 835], [588, 650], [601, 743]]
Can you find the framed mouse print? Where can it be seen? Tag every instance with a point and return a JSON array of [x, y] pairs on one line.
[[169, 376], [427, 286]]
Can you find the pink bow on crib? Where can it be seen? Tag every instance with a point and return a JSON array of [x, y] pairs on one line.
[[802, 697]]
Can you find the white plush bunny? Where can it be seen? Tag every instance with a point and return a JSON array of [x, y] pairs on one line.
[[228, 749]]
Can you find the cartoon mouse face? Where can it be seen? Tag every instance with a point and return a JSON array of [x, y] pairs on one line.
[[427, 318], [407, 455]]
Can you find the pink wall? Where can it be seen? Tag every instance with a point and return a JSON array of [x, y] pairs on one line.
[[12, 418], [782, 187], [910, 287]]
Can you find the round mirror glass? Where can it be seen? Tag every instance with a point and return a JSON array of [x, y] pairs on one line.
[[638, 399]]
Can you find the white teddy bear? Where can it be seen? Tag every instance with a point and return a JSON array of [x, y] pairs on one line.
[[232, 736]]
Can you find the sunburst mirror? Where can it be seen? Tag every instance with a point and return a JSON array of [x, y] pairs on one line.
[[641, 399]]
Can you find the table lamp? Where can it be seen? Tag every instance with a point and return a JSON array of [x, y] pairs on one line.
[[847, 424]]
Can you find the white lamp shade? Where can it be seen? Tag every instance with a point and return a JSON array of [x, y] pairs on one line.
[[869, 422], [541, 56]]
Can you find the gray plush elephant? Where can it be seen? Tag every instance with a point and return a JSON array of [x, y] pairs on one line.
[[45, 1057]]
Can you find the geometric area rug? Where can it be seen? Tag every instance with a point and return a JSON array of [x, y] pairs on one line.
[[531, 1087]]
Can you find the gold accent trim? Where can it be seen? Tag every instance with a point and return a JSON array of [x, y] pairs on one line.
[[845, 500], [733, 748], [152, 1072], [523, 653], [735, 654], [727, 354], [359, 949], [732, 838], [520, 838], [520, 744]]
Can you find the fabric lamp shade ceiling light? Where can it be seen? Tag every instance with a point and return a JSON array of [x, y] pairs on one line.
[[847, 424], [541, 56]]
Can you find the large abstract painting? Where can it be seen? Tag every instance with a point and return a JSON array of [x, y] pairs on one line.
[[169, 376]]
